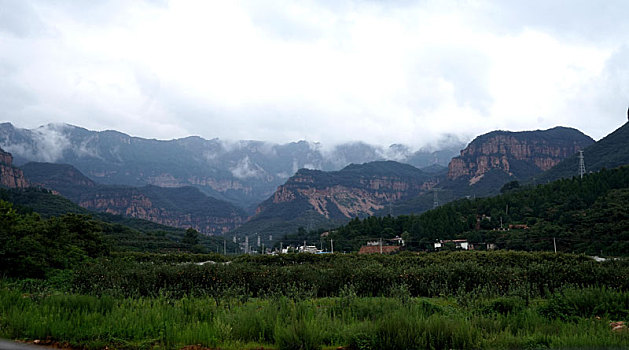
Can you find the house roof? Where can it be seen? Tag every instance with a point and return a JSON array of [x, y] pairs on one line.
[[375, 249]]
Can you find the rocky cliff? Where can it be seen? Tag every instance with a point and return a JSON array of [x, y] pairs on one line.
[[518, 154], [242, 172], [317, 198], [610, 152], [10, 176], [178, 207]]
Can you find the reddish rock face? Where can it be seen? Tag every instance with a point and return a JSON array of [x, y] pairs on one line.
[[10, 176], [498, 150], [335, 195], [139, 206]]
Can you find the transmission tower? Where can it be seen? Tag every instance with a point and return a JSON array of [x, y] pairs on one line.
[[581, 164]]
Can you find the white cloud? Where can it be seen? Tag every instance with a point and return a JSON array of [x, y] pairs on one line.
[[246, 169], [380, 72]]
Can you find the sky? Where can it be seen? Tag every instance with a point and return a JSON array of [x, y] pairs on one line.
[[329, 71]]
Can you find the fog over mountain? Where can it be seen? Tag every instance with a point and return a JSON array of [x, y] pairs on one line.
[[242, 172]]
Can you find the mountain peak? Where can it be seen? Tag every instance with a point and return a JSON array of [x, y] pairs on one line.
[[518, 154]]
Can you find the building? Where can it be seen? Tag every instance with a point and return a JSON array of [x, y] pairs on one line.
[[458, 244], [377, 249]]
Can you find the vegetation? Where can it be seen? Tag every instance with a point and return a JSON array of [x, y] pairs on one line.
[[99, 281], [65, 280], [586, 215], [462, 300], [610, 152], [34, 245]]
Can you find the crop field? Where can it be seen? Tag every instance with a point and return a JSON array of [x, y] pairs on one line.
[[455, 300]]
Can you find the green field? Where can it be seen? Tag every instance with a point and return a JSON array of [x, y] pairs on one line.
[[459, 300]]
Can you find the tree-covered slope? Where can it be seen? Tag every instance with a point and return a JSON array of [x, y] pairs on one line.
[[586, 215], [124, 233], [610, 152]]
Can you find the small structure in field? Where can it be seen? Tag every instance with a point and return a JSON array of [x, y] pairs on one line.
[[377, 249], [458, 244]]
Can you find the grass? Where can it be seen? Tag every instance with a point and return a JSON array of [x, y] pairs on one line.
[[395, 322]]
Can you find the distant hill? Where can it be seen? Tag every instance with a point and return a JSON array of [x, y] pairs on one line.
[[242, 172], [586, 215], [126, 234], [519, 155], [494, 159], [314, 198], [610, 152], [179, 207]]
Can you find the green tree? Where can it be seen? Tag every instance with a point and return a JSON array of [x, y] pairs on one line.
[[191, 238]]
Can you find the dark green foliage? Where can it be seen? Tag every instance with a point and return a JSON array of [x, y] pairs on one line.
[[40, 201], [191, 237], [33, 247], [571, 304], [124, 233], [479, 300], [400, 276], [510, 186], [586, 215], [610, 152]]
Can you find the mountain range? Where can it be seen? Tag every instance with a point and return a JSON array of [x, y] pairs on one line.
[[178, 207], [314, 198], [175, 182], [610, 152], [244, 173]]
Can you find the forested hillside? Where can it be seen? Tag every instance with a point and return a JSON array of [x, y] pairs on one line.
[[121, 233], [586, 215], [610, 152]]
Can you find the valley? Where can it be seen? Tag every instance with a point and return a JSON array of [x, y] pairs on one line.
[[479, 249]]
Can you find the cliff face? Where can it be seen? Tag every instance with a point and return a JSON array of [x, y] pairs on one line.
[[178, 207], [244, 173], [10, 176], [313, 198], [518, 154], [138, 204], [353, 191], [610, 152]]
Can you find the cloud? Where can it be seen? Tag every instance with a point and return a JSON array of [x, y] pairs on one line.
[[49, 144], [245, 169], [382, 72]]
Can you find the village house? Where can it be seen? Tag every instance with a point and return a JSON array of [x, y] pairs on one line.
[[458, 244]]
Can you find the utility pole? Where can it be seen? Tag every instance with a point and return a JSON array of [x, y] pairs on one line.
[[332, 245], [380, 245], [224, 246], [581, 164], [555, 245], [246, 244]]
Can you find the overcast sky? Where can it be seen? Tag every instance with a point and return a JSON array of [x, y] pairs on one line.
[[330, 71]]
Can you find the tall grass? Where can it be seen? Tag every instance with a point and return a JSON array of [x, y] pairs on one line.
[[396, 322]]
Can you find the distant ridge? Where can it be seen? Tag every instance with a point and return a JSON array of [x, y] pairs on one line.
[[313, 198], [243, 173], [610, 152], [181, 207]]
